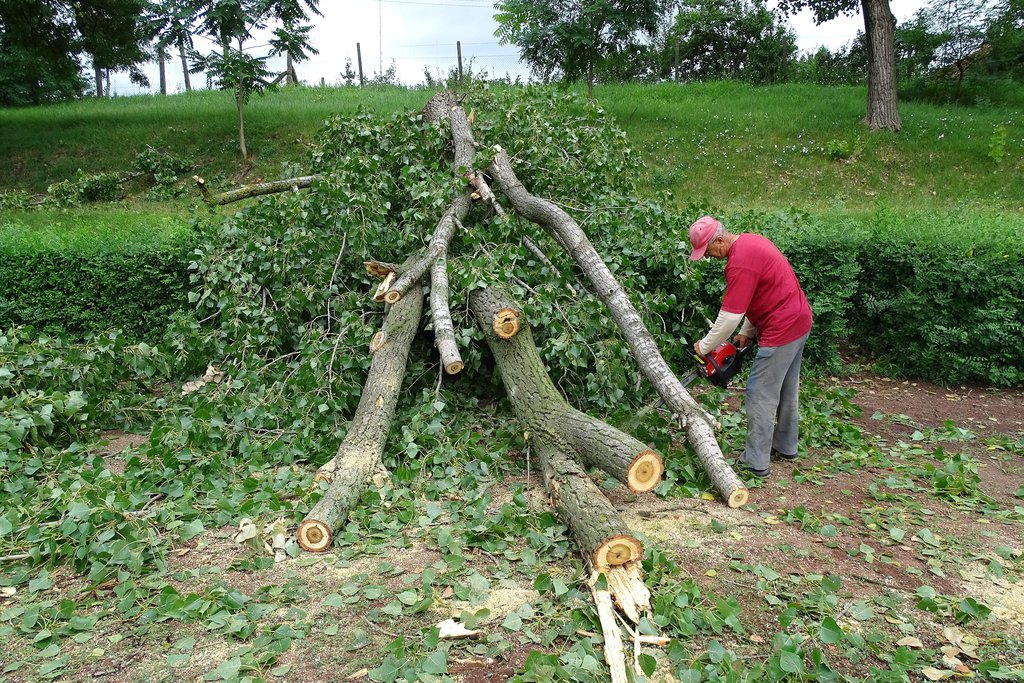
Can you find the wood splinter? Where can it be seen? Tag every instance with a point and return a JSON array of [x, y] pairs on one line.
[[384, 286]]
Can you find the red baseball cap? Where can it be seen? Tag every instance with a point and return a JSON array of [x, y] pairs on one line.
[[702, 233]]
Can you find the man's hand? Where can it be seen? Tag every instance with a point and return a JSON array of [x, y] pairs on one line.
[[696, 348], [741, 341]]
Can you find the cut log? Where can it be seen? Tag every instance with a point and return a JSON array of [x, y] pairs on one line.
[[255, 190], [444, 330], [359, 455], [544, 412], [600, 533], [380, 269], [505, 323], [567, 232]]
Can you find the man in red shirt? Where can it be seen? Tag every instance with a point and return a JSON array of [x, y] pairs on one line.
[[761, 285]]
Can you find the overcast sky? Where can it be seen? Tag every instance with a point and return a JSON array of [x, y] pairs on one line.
[[423, 33]]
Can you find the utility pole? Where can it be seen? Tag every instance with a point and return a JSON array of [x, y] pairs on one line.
[[458, 48], [359, 58]]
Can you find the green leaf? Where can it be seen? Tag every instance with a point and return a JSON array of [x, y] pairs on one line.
[[55, 665], [334, 600], [5, 526], [830, 632], [178, 659], [648, 664], [791, 662], [436, 663], [408, 597], [513, 622], [388, 670], [225, 671]]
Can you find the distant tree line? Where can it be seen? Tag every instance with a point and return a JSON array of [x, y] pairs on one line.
[[950, 50], [53, 50]]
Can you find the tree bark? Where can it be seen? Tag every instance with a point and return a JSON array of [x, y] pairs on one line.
[[98, 73], [255, 190], [184, 66], [162, 58], [359, 455], [444, 330], [240, 101], [544, 412], [602, 536], [567, 232], [880, 33]]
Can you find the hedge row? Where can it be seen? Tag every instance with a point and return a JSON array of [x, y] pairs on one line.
[[936, 297], [940, 297], [72, 292]]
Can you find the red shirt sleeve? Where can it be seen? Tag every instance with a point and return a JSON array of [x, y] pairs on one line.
[[739, 290]]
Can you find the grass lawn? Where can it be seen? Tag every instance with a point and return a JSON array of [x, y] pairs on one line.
[[729, 144]]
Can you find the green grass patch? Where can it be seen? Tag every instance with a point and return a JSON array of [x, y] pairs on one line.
[[736, 145], [729, 144], [91, 230], [48, 144]]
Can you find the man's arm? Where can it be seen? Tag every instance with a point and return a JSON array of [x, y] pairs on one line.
[[720, 331]]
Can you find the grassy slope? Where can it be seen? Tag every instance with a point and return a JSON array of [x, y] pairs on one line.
[[743, 147], [729, 144]]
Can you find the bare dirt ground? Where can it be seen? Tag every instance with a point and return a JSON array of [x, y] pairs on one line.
[[884, 541]]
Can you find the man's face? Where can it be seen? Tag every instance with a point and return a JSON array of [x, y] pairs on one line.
[[717, 248]]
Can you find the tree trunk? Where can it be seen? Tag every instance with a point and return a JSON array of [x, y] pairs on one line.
[[567, 232], [880, 32], [98, 72], [162, 59], [541, 408], [462, 134], [184, 66], [359, 455], [602, 536], [240, 102], [290, 78]]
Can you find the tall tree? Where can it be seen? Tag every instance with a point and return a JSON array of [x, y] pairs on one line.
[[113, 34], [230, 23], [879, 31], [39, 48], [570, 37]]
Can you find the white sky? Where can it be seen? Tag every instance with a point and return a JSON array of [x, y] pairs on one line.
[[419, 33]]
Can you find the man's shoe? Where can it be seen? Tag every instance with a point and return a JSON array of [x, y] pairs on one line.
[[760, 474], [783, 456]]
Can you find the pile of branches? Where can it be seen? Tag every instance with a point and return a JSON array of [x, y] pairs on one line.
[[565, 439]]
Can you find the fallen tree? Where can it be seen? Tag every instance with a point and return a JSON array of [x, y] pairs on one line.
[[565, 434]]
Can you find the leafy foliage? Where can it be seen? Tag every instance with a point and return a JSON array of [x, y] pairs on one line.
[[569, 39], [740, 41]]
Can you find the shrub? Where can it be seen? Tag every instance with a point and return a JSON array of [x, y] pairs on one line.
[[85, 187], [134, 286], [940, 297]]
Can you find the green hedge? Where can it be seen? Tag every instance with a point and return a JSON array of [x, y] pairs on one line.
[[942, 297], [77, 278]]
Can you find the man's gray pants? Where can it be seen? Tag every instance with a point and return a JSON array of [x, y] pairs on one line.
[[773, 392]]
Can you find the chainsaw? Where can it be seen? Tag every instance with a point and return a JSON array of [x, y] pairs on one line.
[[719, 366]]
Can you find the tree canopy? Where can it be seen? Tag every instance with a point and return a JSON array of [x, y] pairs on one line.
[[570, 38]]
